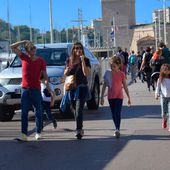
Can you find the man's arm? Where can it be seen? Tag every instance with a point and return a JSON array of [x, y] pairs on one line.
[[15, 46], [45, 76]]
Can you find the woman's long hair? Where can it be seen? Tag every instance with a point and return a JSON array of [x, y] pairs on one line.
[[73, 54], [162, 74]]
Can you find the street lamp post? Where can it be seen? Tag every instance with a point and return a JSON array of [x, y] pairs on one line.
[[164, 15], [51, 22], [156, 37], [30, 25], [159, 24]]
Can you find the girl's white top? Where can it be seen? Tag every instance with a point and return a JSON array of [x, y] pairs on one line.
[[163, 88], [43, 86]]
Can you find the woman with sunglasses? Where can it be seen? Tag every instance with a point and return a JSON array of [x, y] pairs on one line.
[[32, 68], [79, 66]]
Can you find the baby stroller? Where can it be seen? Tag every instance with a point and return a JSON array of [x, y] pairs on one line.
[[154, 78]]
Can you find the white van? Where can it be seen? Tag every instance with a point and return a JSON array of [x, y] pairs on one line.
[[55, 56]]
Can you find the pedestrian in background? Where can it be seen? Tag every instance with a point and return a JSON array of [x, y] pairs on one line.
[[126, 55], [79, 66], [48, 101], [139, 59], [165, 53], [114, 79], [145, 66], [32, 68], [133, 62], [163, 90]]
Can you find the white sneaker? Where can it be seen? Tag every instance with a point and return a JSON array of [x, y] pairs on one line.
[[117, 133], [22, 137], [38, 136]]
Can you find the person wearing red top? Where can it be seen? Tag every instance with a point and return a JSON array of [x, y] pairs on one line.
[[32, 68], [115, 79]]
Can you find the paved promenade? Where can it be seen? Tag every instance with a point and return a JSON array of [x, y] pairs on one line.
[[143, 145]]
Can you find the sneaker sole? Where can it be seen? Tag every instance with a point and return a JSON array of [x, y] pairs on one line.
[[117, 134], [79, 136], [20, 140]]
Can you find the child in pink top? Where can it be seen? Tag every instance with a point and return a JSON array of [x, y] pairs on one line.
[[115, 80]]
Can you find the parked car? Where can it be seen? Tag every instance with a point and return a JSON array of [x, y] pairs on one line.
[[55, 56]]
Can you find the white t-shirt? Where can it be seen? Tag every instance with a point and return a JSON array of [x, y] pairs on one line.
[[43, 86], [163, 88]]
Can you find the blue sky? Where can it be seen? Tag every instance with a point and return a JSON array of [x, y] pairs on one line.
[[65, 11]]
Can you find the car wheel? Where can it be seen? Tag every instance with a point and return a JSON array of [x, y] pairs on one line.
[[93, 104], [6, 113]]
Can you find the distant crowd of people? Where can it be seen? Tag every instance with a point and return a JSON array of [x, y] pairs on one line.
[[154, 68], [144, 64]]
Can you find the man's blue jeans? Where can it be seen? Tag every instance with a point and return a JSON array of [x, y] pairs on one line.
[[29, 98]]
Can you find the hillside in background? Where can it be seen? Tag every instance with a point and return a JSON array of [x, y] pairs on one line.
[[22, 32]]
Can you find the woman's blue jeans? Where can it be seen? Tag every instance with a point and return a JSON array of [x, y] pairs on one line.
[[116, 107], [78, 106], [29, 98]]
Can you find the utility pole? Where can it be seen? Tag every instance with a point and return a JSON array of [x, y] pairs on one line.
[[164, 14], [156, 37], [159, 25], [19, 35], [80, 21], [30, 25], [51, 21], [9, 28]]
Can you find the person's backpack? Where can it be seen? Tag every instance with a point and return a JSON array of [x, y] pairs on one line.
[[133, 59], [148, 57]]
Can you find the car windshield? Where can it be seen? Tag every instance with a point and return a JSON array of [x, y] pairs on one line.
[[53, 57]]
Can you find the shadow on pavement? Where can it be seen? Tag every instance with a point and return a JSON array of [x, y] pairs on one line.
[[95, 153], [138, 111]]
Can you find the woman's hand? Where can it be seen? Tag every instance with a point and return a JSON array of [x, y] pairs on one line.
[[82, 57], [102, 101], [52, 104], [66, 71], [156, 96], [129, 102]]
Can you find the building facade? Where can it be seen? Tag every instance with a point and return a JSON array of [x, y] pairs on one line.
[[117, 17]]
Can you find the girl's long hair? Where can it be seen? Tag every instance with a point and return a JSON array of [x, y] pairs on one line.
[[73, 55], [162, 74], [116, 60]]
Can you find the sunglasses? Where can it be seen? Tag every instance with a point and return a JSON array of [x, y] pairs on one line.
[[32, 48], [78, 48]]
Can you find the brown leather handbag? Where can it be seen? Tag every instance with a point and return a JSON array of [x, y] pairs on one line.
[[70, 82]]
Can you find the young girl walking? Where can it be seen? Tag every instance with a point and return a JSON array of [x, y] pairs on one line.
[[163, 90], [114, 79]]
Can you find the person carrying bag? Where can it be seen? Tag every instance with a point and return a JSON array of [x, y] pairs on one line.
[[76, 95]]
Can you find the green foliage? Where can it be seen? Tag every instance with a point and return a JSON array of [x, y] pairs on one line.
[[22, 32]]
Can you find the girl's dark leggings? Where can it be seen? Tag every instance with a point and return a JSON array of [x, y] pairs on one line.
[[116, 107]]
